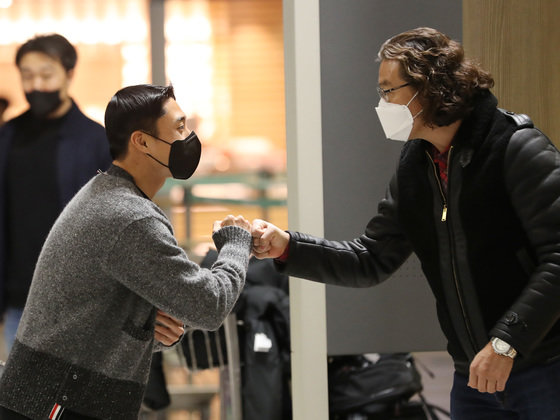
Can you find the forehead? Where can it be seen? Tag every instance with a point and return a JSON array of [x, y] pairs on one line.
[[37, 61], [390, 73], [172, 116]]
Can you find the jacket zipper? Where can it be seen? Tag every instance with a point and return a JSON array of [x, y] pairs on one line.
[[453, 265], [436, 174]]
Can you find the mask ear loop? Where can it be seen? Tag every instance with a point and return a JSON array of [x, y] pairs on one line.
[[157, 160], [157, 138], [411, 99]]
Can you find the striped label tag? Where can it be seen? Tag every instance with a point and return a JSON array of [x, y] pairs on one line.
[[56, 412]]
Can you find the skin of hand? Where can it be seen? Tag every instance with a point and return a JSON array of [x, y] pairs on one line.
[[232, 221], [168, 329], [489, 371], [268, 240]]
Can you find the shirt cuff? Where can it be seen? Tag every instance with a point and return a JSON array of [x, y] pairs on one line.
[[284, 257]]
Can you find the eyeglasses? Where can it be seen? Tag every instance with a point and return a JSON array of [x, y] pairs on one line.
[[384, 93]]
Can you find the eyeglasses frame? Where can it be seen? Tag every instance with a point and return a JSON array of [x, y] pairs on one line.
[[384, 93]]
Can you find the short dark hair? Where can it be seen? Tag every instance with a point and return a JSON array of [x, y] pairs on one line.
[[53, 45], [436, 66], [134, 108]]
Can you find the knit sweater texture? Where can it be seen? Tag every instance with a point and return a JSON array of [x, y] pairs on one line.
[[87, 333]]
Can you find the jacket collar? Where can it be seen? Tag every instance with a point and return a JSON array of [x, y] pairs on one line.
[[476, 127], [484, 121]]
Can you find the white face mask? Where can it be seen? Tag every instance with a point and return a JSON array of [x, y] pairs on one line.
[[396, 120]]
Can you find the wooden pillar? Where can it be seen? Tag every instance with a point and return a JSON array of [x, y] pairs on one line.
[[517, 41]]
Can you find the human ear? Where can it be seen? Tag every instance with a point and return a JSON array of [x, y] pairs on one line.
[[138, 141], [70, 75]]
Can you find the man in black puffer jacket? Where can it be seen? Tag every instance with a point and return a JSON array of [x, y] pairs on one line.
[[476, 197]]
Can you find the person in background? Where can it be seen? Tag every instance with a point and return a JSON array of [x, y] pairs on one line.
[[46, 155], [4, 103], [476, 197], [110, 262]]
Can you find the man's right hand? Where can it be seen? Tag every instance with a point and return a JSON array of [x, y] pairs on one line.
[[232, 221], [268, 240]]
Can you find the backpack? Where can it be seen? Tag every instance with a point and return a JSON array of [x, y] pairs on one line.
[[362, 388]]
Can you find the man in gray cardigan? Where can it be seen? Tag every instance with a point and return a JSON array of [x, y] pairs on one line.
[[110, 262]]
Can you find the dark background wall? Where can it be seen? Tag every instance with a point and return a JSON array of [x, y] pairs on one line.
[[398, 315]]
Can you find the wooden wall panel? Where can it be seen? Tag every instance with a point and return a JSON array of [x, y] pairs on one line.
[[517, 41], [249, 53]]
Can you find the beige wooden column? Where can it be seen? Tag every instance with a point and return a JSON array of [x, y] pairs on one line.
[[518, 42]]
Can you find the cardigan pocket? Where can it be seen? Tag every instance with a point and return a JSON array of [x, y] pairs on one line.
[[135, 331], [141, 332]]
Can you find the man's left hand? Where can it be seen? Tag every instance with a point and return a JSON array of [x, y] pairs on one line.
[[489, 371], [168, 329]]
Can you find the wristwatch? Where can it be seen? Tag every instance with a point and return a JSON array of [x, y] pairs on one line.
[[502, 348]]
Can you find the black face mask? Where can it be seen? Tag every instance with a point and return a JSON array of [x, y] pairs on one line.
[[43, 103], [184, 156]]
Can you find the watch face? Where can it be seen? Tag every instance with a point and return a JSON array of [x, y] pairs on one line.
[[501, 346]]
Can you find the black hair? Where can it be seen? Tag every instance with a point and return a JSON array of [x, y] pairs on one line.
[[134, 108], [53, 45]]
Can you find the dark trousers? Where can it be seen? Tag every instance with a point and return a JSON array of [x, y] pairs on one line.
[[532, 394], [6, 414]]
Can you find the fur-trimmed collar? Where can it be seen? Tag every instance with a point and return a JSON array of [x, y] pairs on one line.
[[485, 121], [476, 127]]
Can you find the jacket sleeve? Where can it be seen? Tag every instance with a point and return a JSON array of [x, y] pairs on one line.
[[532, 176], [362, 262]]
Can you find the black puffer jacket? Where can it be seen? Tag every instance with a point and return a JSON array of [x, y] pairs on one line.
[[493, 264]]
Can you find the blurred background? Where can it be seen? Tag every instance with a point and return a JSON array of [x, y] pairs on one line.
[[225, 61]]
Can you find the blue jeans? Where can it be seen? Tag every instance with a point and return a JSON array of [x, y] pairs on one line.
[[532, 394], [12, 316]]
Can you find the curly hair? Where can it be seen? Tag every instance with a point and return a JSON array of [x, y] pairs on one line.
[[436, 66]]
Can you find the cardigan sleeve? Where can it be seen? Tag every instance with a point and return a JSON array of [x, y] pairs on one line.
[[147, 260]]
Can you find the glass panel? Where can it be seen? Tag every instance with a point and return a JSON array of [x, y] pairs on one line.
[[226, 61]]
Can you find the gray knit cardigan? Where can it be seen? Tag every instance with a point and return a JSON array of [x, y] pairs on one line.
[[87, 334]]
